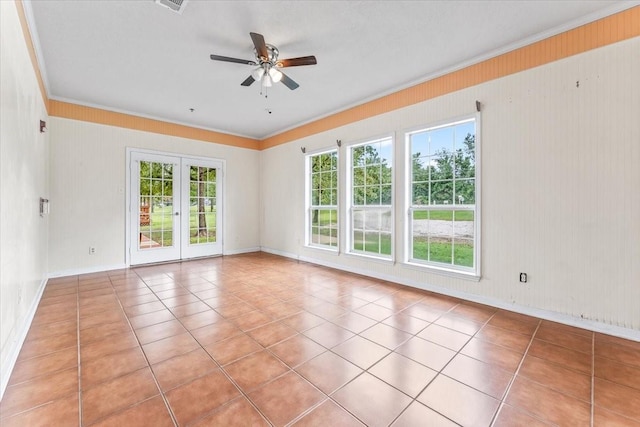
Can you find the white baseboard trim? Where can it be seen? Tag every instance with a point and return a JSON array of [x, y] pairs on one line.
[[241, 251], [288, 255], [102, 268], [16, 345], [553, 316], [87, 270]]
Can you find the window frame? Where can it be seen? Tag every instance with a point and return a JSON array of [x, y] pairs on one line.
[[434, 266], [309, 206], [351, 207]]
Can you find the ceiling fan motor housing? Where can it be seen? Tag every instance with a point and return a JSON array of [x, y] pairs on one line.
[[272, 59]]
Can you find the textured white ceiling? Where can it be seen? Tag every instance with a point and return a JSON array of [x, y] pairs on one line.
[[140, 58]]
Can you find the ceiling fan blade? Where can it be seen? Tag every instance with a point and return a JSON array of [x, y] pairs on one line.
[[261, 46], [294, 62], [248, 82], [288, 82], [235, 60]]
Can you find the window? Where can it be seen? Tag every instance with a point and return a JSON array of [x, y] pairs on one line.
[[443, 188], [371, 198], [323, 199]]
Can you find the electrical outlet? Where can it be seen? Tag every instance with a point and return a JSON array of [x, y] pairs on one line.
[[523, 277], [92, 250]]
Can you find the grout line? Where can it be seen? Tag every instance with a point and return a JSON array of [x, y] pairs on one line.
[[515, 374], [78, 347], [292, 370], [230, 379], [310, 409], [504, 394], [414, 399], [177, 280], [220, 367], [415, 335], [155, 380], [593, 378], [458, 352]]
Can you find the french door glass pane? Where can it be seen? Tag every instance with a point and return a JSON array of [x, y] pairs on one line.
[[155, 205], [202, 205]]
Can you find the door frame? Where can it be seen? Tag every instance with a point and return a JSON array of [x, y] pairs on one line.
[[128, 215]]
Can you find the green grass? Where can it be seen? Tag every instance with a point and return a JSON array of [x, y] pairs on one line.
[[443, 215], [372, 244], [162, 219], [441, 252], [325, 218]]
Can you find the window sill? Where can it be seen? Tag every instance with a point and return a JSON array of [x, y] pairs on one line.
[[367, 257], [330, 250], [443, 271]]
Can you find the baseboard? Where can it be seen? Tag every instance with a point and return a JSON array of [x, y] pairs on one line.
[[87, 270], [241, 251], [12, 357], [102, 268], [553, 316], [285, 254]]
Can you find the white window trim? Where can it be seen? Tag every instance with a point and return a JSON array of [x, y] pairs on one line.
[[442, 271], [458, 272], [348, 191], [307, 198]]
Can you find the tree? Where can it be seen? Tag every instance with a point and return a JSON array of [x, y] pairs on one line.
[[202, 218], [372, 177], [421, 175], [324, 181], [156, 183], [448, 172], [202, 188]]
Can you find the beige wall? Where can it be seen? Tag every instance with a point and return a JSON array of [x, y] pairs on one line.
[[88, 192], [560, 180], [24, 170], [560, 196]]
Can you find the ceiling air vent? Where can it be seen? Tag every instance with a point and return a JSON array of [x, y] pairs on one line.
[[175, 5]]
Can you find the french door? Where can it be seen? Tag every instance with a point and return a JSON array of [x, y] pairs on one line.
[[175, 209]]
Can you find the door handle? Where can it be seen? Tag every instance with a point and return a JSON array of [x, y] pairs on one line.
[[177, 213]]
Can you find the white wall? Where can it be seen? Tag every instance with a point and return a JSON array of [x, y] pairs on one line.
[[24, 171], [88, 179], [560, 188]]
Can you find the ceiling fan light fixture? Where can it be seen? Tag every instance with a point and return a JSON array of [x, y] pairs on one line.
[[267, 81], [257, 73], [275, 75]]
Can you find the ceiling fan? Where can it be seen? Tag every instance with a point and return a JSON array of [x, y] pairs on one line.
[[268, 64]]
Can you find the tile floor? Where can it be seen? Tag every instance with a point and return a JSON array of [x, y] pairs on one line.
[[258, 339]]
